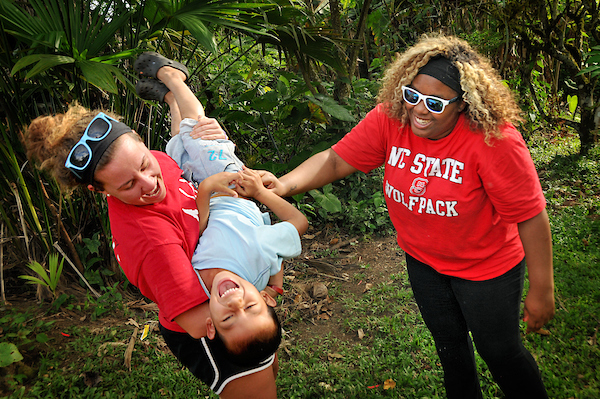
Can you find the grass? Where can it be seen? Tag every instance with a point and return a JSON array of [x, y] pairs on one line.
[[396, 347], [99, 351]]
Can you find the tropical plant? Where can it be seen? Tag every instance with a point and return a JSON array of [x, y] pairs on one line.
[[552, 45], [55, 52], [47, 278]]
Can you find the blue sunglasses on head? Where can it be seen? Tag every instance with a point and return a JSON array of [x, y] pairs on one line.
[[98, 129], [432, 103]]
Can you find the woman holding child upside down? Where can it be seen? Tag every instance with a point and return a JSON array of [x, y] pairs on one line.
[[467, 205], [155, 226]]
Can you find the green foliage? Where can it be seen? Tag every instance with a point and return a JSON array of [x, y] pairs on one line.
[[68, 37], [9, 353], [592, 59], [58, 52], [355, 204], [331, 107], [110, 301], [20, 331], [370, 215], [48, 278], [269, 116], [326, 200], [571, 182], [89, 253], [16, 188]]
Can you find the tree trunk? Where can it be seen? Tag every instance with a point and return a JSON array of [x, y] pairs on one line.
[[342, 85], [586, 129]]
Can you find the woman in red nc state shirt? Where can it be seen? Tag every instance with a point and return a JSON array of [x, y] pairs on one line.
[[467, 205]]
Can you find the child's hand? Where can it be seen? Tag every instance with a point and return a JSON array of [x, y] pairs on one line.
[[249, 183], [208, 129], [219, 183]]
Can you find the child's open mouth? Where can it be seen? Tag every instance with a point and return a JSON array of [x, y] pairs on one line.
[[226, 287]]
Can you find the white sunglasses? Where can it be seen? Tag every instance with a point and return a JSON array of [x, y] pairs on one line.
[[432, 103]]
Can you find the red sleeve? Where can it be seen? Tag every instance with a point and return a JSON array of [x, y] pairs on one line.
[[510, 178], [167, 275], [365, 146]]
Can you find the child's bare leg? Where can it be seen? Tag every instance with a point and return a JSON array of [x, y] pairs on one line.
[[174, 111], [188, 104]]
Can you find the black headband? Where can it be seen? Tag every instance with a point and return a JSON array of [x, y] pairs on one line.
[[443, 70]]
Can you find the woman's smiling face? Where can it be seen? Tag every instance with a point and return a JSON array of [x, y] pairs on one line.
[[427, 124], [134, 175]]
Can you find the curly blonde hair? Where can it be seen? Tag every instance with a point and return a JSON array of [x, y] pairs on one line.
[[49, 139], [491, 104]]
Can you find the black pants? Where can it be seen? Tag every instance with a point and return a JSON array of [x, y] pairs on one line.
[[451, 307]]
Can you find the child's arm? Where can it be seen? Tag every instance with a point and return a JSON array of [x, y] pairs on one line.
[[275, 285], [215, 183], [250, 185]]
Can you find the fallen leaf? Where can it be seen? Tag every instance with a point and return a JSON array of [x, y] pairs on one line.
[[336, 355], [129, 350], [334, 241], [389, 384], [368, 286], [132, 322], [361, 333]]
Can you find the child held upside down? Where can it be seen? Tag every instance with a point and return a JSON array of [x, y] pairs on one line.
[[240, 245], [239, 249]]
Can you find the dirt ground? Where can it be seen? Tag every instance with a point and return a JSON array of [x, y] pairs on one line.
[[328, 257]]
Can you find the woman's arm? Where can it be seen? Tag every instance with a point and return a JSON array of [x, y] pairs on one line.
[[317, 171], [537, 243], [208, 129], [259, 385], [193, 321]]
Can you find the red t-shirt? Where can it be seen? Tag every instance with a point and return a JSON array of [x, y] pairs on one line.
[[455, 202], [155, 243]]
